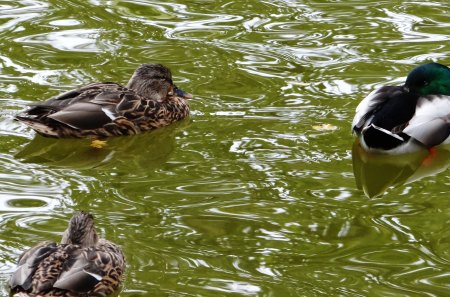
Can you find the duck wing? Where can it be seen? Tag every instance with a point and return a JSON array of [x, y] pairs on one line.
[[372, 103], [82, 273], [61, 101], [97, 111], [431, 123], [28, 264], [90, 107]]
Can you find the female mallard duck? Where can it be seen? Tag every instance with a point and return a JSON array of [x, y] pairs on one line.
[[402, 119], [81, 265], [150, 100]]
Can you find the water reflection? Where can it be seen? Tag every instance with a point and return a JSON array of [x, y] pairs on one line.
[[147, 150], [15, 12], [82, 40], [375, 173], [249, 200]]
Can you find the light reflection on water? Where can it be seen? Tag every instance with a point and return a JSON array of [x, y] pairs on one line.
[[69, 40], [247, 197]]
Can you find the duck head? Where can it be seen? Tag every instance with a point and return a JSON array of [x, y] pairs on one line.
[[81, 231], [154, 81], [429, 79]]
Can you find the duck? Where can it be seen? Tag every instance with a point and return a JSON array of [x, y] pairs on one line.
[[81, 265], [407, 118], [98, 110]]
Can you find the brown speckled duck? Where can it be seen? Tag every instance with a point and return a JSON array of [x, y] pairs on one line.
[[81, 265], [150, 100]]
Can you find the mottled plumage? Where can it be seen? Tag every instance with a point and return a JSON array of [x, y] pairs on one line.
[[150, 100], [81, 265], [402, 119]]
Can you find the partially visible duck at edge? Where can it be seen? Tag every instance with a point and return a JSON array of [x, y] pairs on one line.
[[408, 118], [81, 265], [149, 101]]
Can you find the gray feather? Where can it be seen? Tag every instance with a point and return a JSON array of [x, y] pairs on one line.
[[82, 115], [28, 263], [82, 275]]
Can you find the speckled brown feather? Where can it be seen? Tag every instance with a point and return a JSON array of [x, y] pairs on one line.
[[108, 109], [71, 269]]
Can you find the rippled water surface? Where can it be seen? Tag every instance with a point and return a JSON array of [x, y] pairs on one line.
[[260, 192]]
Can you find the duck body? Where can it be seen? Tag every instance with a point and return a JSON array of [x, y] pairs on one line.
[[149, 101], [82, 265], [404, 119]]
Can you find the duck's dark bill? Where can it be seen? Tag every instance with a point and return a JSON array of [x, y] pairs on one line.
[[183, 94]]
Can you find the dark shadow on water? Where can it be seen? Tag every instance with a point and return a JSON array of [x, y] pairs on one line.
[[149, 149], [375, 173]]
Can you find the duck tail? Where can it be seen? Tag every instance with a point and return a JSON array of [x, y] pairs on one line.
[[37, 126], [379, 138]]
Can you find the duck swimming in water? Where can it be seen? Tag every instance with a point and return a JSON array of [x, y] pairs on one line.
[[403, 119], [81, 265], [149, 101]]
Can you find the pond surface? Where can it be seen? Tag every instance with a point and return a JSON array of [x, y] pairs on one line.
[[255, 194]]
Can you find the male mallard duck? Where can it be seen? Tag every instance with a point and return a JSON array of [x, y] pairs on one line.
[[81, 265], [150, 100], [402, 119]]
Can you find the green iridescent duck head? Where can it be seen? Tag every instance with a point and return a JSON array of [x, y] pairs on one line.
[[429, 79]]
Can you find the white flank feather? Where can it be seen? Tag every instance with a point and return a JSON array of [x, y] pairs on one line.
[[94, 275], [432, 118], [109, 113]]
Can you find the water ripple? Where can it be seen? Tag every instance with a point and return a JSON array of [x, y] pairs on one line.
[[15, 13], [254, 194], [82, 40]]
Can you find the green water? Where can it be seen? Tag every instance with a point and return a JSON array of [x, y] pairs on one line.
[[255, 193]]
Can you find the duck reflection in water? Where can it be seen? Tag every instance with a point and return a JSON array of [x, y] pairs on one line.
[[143, 151], [375, 173]]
